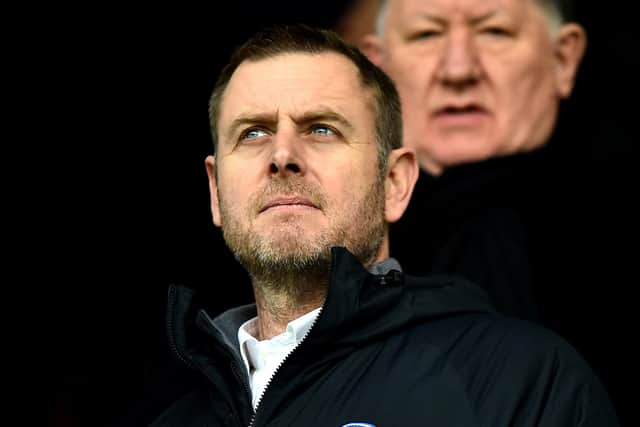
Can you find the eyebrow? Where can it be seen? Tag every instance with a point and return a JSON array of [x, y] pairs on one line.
[[251, 119], [435, 18], [323, 115], [271, 119], [484, 17]]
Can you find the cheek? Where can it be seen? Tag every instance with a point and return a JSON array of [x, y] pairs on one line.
[[414, 120], [525, 91], [530, 115], [414, 97], [228, 205], [234, 194], [410, 72], [350, 181], [532, 80]]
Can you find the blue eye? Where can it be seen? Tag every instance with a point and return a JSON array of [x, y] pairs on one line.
[[253, 134], [322, 130]]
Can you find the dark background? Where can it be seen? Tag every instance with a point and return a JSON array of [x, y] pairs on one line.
[[123, 204]]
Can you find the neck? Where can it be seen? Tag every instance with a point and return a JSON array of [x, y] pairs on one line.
[[281, 300]]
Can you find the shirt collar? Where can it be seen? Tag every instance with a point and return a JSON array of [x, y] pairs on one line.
[[295, 331]]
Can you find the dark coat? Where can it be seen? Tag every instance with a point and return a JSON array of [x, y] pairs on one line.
[[483, 221], [390, 350]]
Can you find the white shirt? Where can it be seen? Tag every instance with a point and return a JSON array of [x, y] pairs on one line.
[[262, 358]]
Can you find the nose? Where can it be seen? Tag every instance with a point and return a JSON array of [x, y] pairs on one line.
[[459, 65], [287, 156]]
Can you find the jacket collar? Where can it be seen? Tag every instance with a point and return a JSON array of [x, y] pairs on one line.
[[360, 306]]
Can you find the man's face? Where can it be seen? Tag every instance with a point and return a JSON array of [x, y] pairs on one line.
[[476, 78], [297, 163]]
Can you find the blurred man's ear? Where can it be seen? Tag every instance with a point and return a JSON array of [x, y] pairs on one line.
[[210, 164], [371, 46], [402, 174], [358, 18], [570, 45]]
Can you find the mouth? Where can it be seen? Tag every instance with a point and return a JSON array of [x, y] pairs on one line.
[[288, 203], [460, 110], [460, 117]]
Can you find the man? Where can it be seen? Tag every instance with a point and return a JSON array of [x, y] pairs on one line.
[[307, 173], [476, 79], [480, 85]]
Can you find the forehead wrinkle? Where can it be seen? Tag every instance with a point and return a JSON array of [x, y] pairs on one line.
[[433, 18], [485, 17], [249, 118], [438, 13], [323, 99], [321, 114]]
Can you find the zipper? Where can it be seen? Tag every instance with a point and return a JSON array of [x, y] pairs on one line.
[[170, 331], [240, 376], [313, 324], [174, 348], [266, 387]]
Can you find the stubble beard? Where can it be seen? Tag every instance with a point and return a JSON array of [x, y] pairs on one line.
[[288, 261]]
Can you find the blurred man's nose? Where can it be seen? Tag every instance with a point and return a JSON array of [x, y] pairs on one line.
[[459, 65]]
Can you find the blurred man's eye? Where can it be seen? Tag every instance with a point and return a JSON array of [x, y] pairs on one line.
[[423, 35], [496, 31]]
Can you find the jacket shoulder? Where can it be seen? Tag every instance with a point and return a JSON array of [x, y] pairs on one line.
[[536, 371]]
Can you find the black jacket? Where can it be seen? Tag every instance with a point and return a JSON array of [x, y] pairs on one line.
[[390, 350]]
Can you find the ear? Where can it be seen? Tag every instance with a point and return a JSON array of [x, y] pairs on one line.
[[371, 46], [210, 164], [570, 45], [402, 174]]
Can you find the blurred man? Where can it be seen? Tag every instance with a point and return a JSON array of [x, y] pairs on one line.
[[477, 79], [480, 84]]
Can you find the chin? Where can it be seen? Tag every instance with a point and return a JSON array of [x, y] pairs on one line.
[[292, 241], [459, 150], [293, 256]]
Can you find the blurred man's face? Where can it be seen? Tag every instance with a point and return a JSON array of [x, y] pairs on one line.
[[297, 164], [477, 79]]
